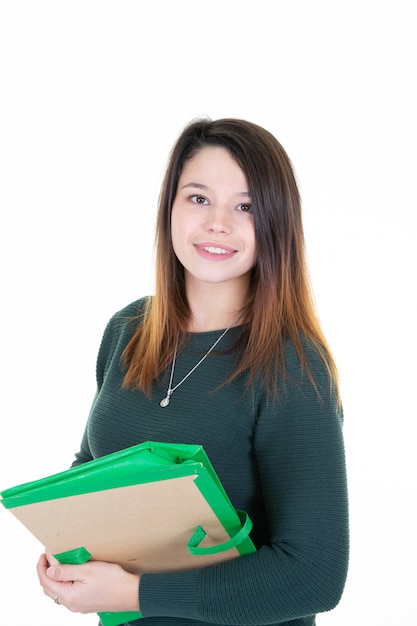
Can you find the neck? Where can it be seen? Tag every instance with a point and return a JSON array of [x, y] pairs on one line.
[[215, 306]]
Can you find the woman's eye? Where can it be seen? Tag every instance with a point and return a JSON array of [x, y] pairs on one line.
[[199, 199], [245, 208]]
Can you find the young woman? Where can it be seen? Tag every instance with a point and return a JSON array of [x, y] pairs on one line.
[[229, 354]]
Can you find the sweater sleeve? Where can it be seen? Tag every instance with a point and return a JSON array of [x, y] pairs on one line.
[[302, 569]]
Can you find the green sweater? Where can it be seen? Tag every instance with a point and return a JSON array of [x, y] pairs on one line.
[[280, 459]]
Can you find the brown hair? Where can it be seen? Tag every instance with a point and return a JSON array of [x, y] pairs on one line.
[[280, 306]]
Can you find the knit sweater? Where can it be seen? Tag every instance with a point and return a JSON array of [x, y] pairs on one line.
[[280, 459]]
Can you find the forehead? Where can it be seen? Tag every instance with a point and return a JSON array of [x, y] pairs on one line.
[[213, 164]]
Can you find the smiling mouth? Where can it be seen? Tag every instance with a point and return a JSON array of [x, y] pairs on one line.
[[214, 250]]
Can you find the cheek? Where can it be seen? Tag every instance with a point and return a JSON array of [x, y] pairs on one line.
[[254, 257], [252, 244], [178, 234], [174, 238], [174, 226]]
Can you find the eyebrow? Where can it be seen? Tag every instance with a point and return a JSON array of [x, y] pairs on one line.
[[246, 194]]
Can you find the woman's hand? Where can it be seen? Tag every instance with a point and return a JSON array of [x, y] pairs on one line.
[[89, 588]]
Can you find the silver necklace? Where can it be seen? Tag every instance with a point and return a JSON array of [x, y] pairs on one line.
[[171, 389]]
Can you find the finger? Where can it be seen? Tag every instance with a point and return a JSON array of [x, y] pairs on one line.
[[51, 559], [68, 573], [50, 588], [41, 566]]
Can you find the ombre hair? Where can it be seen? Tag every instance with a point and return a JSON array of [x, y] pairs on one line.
[[280, 305]]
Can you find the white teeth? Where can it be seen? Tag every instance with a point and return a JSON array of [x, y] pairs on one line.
[[215, 250]]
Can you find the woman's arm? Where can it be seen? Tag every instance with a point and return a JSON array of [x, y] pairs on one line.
[[302, 570]]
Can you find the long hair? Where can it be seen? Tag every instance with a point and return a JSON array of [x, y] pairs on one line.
[[280, 306]]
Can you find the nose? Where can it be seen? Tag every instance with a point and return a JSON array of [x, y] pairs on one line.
[[218, 220]]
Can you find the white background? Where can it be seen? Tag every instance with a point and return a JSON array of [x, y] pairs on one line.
[[92, 96]]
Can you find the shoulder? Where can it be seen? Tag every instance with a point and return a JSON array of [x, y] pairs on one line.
[[126, 320], [309, 355], [131, 312], [121, 328], [309, 373]]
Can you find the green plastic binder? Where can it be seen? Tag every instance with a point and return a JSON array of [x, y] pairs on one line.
[[154, 507]]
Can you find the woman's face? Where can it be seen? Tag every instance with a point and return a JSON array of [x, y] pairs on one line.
[[212, 226]]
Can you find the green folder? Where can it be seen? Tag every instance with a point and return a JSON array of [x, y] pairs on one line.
[[154, 507]]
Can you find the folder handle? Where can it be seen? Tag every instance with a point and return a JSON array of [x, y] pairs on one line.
[[73, 557], [199, 534]]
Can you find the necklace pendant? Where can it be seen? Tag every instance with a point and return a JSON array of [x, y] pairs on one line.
[[165, 401]]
